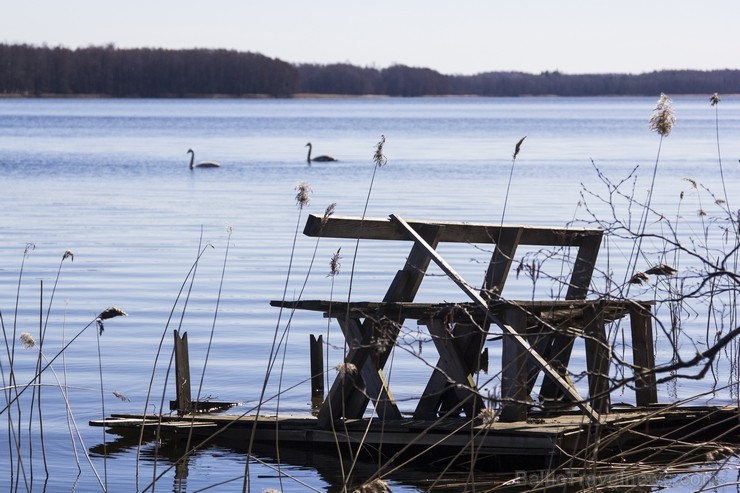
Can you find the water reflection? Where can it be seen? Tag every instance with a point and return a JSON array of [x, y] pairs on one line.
[[323, 472]]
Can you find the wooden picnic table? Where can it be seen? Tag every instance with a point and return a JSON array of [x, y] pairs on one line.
[[537, 336]]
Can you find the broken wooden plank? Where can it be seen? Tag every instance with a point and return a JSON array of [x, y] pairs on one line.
[[554, 311], [124, 422]]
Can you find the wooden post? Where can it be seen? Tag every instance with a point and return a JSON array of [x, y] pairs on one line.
[[514, 369], [182, 374], [597, 358], [643, 354], [317, 371]]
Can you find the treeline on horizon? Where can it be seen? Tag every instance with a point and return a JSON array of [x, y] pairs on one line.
[[35, 71]]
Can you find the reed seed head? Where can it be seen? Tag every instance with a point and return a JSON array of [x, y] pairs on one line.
[[121, 396], [112, 312], [714, 99], [27, 340], [661, 270], [379, 158], [381, 344], [327, 213], [346, 369], [303, 197], [518, 147], [374, 486], [487, 416], [68, 255], [519, 268], [334, 263], [639, 278], [663, 118]]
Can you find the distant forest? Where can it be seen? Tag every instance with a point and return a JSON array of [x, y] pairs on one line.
[[35, 71]]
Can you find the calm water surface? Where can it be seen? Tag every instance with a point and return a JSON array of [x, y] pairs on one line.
[[108, 181]]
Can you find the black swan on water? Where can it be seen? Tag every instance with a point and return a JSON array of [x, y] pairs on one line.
[[204, 164], [318, 158]]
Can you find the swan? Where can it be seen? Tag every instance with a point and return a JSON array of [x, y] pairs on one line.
[[318, 158], [204, 164]]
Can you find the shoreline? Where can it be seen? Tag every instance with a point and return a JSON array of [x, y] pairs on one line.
[[338, 96]]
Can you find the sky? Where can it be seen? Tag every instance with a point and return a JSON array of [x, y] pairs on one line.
[[459, 37]]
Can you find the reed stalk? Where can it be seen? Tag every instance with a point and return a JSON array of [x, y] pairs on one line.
[[715, 100], [334, 268], [189, 277], [43, 324], [229, 231], [661, 122], [14, 434], [379, 160], [303, 198], [517, 149]]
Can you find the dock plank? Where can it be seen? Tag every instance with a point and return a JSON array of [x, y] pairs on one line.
[[541, 439]]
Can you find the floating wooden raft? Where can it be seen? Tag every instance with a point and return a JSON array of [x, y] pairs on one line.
[[541, 441]]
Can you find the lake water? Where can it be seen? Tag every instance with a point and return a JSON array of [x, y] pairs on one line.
[[109, 181]]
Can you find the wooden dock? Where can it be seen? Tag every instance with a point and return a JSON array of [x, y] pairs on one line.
[[658, 433], [452, 422]]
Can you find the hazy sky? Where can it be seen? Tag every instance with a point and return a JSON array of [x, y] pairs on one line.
[[453, 37]]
